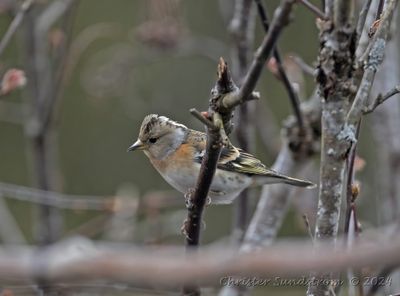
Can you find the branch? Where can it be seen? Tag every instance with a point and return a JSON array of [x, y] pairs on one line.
[[225, 96], [381, 98], [372, 58], [59, 200], [216, 136], [280, 20], [16, 22], [78, 261], [294, 98], [314, 9], [336, 57], [275, 199], [362, 19], [343, 13]]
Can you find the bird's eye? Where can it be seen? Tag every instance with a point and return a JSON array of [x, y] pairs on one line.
[[153, 140]]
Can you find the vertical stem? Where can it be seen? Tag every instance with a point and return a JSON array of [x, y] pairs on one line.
[[336, 58], [242, 31]]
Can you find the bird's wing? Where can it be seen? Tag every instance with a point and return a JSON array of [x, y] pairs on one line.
[[236, 160], [231, 159]]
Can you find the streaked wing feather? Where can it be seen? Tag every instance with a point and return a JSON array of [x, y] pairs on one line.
[[231, 159], [243, 163]]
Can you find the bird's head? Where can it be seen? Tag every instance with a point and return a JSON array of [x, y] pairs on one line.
[[159, 136]]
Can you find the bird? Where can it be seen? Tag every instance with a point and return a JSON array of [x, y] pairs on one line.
[[176, 152]]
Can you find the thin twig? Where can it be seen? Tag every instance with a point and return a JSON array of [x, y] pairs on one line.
[[200, 117], [308, 226], [58, 200], [306, 68], [16, 22], [280, 20], [381, 98], [294, 98], [350, 179], [314, 9]]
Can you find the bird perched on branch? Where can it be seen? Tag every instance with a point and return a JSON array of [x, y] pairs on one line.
[[177, 152]]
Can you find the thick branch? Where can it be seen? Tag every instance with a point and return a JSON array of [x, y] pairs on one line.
[[343, 13], [74, 262]]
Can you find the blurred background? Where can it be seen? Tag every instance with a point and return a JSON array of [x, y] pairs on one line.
[[122, 60]]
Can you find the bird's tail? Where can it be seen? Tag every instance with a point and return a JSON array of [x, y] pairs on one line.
[[278, 178]]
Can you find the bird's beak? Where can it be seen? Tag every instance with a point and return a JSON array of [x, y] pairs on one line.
[[138, 145]]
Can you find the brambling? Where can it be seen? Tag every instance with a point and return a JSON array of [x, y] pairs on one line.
[[177, 151]]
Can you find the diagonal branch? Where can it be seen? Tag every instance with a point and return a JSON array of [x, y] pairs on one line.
[[381, 98], [372, 59], [58, 200], [314, 9], [245, 93], [16, 22], [280, 20], [294, 98]]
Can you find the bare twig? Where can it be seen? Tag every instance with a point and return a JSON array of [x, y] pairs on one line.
[[245, 93], [10, 232], [314, 9], [372, 58], [215, 138], [58, 200], [308, 226], [306, 68], [381, 98], [16, 22], [200, 117], [42, 86], [294, 98]]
